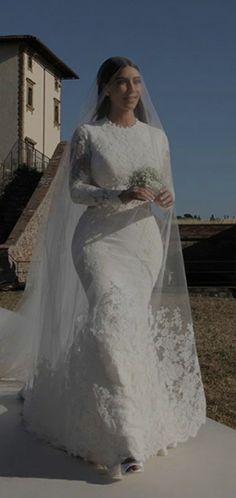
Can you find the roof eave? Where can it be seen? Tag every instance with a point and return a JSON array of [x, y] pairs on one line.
[[34, 42]]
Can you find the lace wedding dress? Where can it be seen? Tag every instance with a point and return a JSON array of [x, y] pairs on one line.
[[131, 384]]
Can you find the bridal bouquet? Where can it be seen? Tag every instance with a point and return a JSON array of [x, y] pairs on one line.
[[146, 177]]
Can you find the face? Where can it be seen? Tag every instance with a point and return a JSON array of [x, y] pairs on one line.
[[125, 90]]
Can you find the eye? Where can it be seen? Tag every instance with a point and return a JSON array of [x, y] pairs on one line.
[[120, 81]]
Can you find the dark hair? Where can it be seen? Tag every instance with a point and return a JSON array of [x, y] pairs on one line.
[[105, 73]]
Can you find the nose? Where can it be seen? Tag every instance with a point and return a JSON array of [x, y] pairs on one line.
[[131, 87]]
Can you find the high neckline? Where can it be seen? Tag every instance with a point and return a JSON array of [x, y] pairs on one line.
[[112, 123]]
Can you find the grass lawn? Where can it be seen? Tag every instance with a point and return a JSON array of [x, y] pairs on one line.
[[215, 331]]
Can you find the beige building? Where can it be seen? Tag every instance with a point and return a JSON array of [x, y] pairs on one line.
[[30, 101]]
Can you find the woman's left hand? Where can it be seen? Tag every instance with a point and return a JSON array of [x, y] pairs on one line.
[[164, 198]]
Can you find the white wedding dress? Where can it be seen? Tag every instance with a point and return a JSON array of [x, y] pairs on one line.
[[126, 389]]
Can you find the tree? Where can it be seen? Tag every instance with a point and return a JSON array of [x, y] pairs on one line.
[[187, 215]]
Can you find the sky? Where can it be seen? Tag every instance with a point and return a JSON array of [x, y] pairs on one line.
[[186, 52]]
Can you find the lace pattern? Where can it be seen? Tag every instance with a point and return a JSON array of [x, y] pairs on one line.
[[103, 156], [123, 402], [130, 383]]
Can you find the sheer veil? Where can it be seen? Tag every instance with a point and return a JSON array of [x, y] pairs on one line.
[[36, 338]]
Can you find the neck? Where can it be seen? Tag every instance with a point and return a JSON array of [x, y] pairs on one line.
[[122, 118]]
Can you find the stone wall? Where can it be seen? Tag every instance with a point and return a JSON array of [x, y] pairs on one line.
[[23, 237], [209, 251]]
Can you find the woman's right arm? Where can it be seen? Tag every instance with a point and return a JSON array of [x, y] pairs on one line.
[[82, 189]]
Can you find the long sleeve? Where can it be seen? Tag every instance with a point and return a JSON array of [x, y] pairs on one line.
[[166, 166], [82, 188]]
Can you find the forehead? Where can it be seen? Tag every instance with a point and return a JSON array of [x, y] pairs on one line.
[[128, 72]]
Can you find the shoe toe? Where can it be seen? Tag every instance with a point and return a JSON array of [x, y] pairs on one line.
[[115, 472]]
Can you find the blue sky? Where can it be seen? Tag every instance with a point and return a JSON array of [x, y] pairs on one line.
[[186, 51]]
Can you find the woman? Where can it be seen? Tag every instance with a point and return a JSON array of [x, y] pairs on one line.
[[115, 376]]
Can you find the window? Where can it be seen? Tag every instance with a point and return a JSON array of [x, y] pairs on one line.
[[30, 94], [57, 84], [56, 112], [30, 62], [30, 152]]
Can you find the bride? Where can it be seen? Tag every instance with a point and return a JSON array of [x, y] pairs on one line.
[[110, 363]]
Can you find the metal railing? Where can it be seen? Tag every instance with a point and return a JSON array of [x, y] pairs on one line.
[[22, 153]]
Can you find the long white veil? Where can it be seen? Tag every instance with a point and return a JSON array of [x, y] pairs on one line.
[[36, 338]]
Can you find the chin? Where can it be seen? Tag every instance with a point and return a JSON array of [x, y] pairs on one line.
[[130, 106]]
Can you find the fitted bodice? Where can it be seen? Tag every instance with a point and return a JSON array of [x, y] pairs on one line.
[[104, 155], [118, 151]]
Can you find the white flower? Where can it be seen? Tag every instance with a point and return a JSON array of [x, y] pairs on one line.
[[146, 176]]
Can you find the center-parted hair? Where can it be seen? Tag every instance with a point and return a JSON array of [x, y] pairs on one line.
[[105, 74]]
